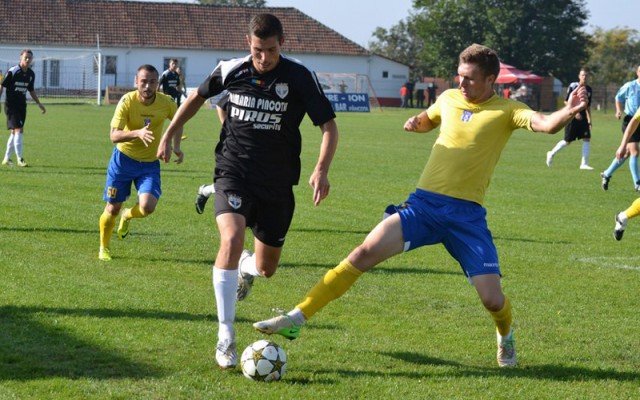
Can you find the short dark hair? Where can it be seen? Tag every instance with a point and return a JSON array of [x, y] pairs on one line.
[[265, 26], [175, 60], [148, 68], [585, 69], [483, 57], [26, 51]]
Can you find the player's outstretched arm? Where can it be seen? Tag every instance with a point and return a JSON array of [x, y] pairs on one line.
[[552, 123], [419, 123], [319, 179], [188, 109]]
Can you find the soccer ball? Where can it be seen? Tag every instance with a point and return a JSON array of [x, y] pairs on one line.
[[263, 361]]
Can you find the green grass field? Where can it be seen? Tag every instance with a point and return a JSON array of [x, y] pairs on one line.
[[144, 325]]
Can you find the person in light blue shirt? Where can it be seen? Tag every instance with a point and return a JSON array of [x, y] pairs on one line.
[[627, 101]]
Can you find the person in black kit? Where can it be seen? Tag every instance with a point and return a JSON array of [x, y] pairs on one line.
[[420, 98], [431, 93], [257, 162], [410, 87], [18, 81], [169, 81], [580, 125]]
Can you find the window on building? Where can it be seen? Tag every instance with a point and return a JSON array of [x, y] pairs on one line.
[[385, 74], [110, 65], [54, 73]]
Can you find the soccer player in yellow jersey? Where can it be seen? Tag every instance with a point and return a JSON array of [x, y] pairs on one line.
[[136, 129], [446, 207], [623, 151]]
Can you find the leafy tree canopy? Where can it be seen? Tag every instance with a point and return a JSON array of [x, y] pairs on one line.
[[613, 57]]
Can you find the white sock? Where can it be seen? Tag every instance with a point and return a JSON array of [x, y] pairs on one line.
[[559, 146], [17, 143], [248, 266], [225, 284], [207, 190], [297, 316], [586, 146], [9, 151], [622, 217]]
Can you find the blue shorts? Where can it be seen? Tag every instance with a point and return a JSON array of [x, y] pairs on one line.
[[460, 225], [124, 170]]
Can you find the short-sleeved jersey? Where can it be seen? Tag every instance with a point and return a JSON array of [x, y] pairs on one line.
[[18, 83], [131, 114], [472, 137], [261, 140], [629, 94], [573, 86], [169, 82]]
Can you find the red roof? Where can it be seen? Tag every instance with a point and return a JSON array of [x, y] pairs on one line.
[[75, 23]]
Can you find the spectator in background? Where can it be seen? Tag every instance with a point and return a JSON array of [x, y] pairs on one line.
[[627, 101], [420, 98], [404, 96], [431, 93], [410, 87], [506, 92]]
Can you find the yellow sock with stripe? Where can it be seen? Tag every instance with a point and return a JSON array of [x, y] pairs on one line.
[[634, 210], [332, 285], [503, 318], [107, 222], [134, 212]]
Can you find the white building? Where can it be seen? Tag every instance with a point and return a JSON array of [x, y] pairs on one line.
[[65, 36]]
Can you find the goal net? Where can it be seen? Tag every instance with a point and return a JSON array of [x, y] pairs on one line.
[[63, 76], [333, 82]]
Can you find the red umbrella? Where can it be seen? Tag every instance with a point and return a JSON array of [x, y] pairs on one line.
[[510, 74]]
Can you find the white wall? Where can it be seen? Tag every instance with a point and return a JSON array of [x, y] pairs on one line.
[[198, 64]]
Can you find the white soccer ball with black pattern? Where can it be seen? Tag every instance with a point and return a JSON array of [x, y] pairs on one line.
[[263, 361]]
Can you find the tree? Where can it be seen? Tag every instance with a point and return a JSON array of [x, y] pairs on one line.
[[613, 56], [400, 43], [240, 3], [542, 35]]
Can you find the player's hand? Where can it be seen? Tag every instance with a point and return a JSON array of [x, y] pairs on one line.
[[42, 109], [145, 134], [412, 124], [164, 149], [622, 152], [179, 154], [618, 114], [320, 184], [578, 99]]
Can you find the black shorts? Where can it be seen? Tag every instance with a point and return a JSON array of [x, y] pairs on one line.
[[268, 210], [16, 115], [635, 137], [577, 129]]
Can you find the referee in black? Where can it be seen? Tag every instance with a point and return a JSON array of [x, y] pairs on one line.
[[18, 82]]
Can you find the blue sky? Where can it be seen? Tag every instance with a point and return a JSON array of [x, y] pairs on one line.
[[357, 19]]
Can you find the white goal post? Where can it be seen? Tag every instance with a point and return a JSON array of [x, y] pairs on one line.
[[64, 76]]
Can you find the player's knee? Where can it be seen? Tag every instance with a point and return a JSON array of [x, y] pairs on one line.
[[493, 302], [147, 210], [267, 270]]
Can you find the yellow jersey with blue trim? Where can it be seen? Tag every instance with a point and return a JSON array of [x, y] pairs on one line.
[[131, 114], [472, 137]]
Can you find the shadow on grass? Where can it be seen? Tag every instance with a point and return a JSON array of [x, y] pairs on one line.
[[31, 350], [316, 230], [381, 270], [71, 230], [527, 240], [554, 372]]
